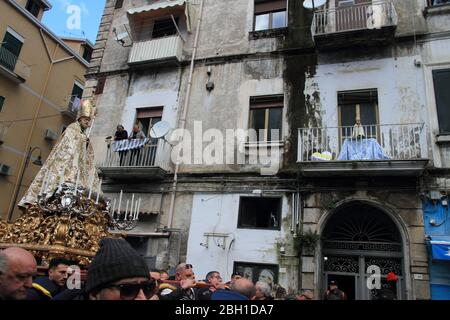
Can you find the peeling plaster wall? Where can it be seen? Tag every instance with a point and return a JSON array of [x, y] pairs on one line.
[[219, 214], [400, 86], [228, 105]]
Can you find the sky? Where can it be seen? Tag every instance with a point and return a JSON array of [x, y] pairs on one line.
[[75, 18]]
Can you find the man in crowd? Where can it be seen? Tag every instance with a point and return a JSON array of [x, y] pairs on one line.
[[242, 289], [213, 279], [234, 276], [17, 267], [47, 287], [334, 293], [185, 290], [118, 272]]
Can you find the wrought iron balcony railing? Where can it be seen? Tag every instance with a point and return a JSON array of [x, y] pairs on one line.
[[355, 17], [369, 142]]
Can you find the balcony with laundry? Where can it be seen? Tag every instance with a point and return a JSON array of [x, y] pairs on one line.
[[143, 155], [157, 31], [361, 144], [345, 23]]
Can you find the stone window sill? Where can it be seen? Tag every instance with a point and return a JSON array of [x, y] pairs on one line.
[[443, 139], [267, 144], [271, 33], [437, 9]]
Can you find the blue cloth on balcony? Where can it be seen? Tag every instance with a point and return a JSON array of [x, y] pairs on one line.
[[133, 144], [362, 149]]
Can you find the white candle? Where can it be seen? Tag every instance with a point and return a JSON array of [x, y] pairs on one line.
[[126, 210], [120, 202], [138, 209], [132, 207], [98, 191], [135, 209], [113, 208]]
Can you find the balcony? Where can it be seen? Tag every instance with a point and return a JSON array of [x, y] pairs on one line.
[[387, 150], [360, 24], [134, 159], [12, 67], [73, 105], [166, 50]]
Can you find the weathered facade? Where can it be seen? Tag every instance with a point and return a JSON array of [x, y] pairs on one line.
[[276, 65]]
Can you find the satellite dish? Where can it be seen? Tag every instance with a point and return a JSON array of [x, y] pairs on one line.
[[311, 4], [159, 130]]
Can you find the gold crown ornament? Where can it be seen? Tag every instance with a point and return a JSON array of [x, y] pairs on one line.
[[87, 109]]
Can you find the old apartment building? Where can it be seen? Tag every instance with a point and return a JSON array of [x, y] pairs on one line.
[[41, 83], [358, 174]]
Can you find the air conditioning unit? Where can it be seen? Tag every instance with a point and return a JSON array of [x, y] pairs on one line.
[[5, 170], [51, 135]]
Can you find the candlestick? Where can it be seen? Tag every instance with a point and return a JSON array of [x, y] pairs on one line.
[[132, 207], [98, 191], [113, 208], [126, 211], [138, 209], [91, 184], [120, 202]]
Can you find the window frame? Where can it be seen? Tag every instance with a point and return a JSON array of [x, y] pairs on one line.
[[266, 102], [118, 4], [34, 4], [100, 87], [19, 38], [153, 113], [279, 213], [357, 105], [271, 12], [438, 120]]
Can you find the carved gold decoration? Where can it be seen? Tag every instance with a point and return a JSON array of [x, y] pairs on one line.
[[49, 230]]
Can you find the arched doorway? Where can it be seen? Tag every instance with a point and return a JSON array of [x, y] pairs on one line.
[[355, 237]]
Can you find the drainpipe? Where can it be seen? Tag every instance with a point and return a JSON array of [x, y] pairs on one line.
[[30, 133], [183, 118]]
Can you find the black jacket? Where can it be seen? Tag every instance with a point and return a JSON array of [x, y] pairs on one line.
[[44, 289]]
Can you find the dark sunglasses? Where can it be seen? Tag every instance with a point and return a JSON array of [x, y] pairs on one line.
[[129, 291], [188, 266]]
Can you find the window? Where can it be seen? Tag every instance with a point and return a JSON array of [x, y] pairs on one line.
[[259, 213], [432, 3], [270, 15], [362, 105], [258, 272], [100, 85], [2, 101], [87, 53], [266, 114], [441, 80], [119, 4], [33, 7], [10, 49], [164, 28], [75, 97], [147, 117]]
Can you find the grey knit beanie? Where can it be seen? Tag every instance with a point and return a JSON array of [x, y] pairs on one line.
[[115, 260]]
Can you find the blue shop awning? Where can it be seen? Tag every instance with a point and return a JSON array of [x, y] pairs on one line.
[[440, 248]]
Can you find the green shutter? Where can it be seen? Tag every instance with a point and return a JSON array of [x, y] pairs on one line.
[[10, 51]]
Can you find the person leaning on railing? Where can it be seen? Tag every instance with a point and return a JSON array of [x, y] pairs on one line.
[[136, 133]]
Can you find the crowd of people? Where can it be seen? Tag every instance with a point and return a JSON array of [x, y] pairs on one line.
[[118, 272]]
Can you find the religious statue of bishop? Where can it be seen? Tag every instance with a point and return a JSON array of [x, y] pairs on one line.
[[71, 160]]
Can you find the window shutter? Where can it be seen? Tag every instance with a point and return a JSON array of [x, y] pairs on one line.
[[269, 6], [441, 80]]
